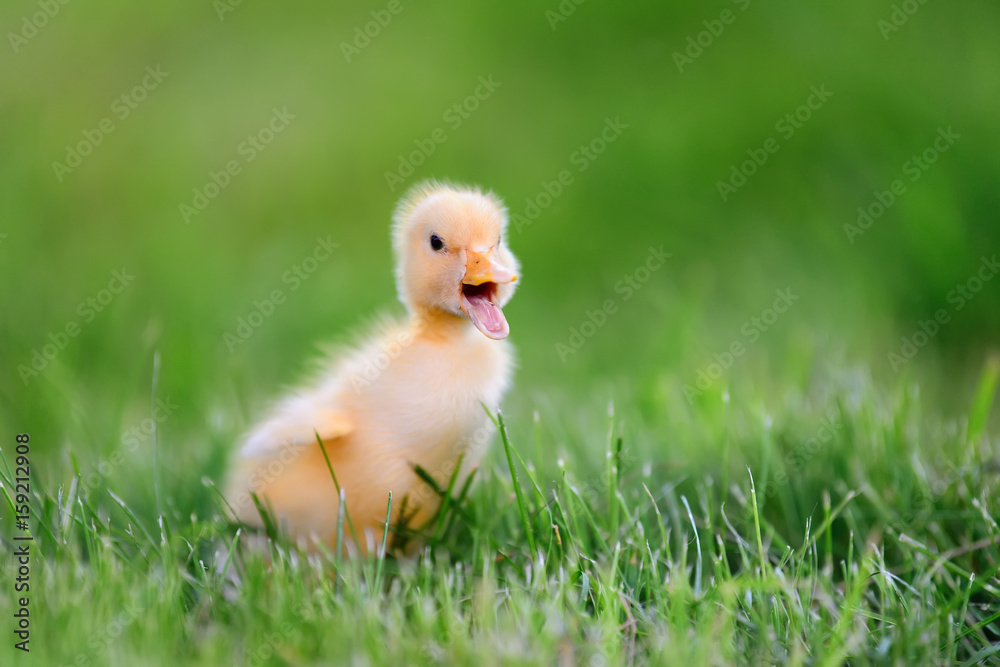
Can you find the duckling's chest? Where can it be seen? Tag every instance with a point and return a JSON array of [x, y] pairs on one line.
[[435, 395]]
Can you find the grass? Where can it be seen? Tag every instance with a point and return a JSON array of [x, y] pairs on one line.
[[812, 505], [870, 542]]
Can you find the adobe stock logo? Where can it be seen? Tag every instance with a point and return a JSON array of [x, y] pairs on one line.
[[131, 440], [565, 9], [454, 116], [751, 330], [31, 25], [698, 43], [786, 126], [249, 149], [914, 168], [900, 15], [627, 287], [87, 310], [958, 298], [363, 37], [264, 309], [223, 7], [121, 107], [581, 158]]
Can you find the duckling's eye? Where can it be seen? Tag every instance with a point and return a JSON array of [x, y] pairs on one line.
[[436, 242]]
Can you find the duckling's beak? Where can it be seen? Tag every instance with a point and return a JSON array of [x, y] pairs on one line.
[[483, 273]]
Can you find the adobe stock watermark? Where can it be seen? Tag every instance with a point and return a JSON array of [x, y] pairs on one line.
[[594, 490], [121, 108], [264, 474], [914, 168], [468, 451], [87, 310], [454, 116], [265, 651], [135, 436], [377, 362], [563, 11], [627, 288], [697, 43], [223, 7], [751, 332], [798, 457], [901, 13], [581, 158], [804, 452], [423, 493], [786, 126], [248, 150], [923, 503], [263, 309], [957, 299], [100, 641], [30, 25], [363, 35]]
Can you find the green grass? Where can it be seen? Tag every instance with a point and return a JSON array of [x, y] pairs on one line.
[[717, 534], [588, 537]]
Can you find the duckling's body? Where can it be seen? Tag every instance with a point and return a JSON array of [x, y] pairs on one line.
[[413, 395]]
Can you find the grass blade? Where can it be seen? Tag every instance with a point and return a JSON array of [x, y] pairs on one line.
[[522, 508]]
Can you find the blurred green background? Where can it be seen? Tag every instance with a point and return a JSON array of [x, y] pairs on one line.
[[356, 118]]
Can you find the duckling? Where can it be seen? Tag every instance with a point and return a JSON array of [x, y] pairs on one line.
[[412, 395]]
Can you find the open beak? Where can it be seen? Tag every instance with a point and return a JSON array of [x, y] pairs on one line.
[[483, 273]]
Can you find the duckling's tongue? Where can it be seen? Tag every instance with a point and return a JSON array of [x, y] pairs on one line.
[[486, 315]]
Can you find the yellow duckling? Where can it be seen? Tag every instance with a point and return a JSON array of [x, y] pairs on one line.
[[412, 396]]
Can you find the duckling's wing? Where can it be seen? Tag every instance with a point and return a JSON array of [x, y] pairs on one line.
[[296, 425]]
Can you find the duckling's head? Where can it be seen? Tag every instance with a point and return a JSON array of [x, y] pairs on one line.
[[451, 257]]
